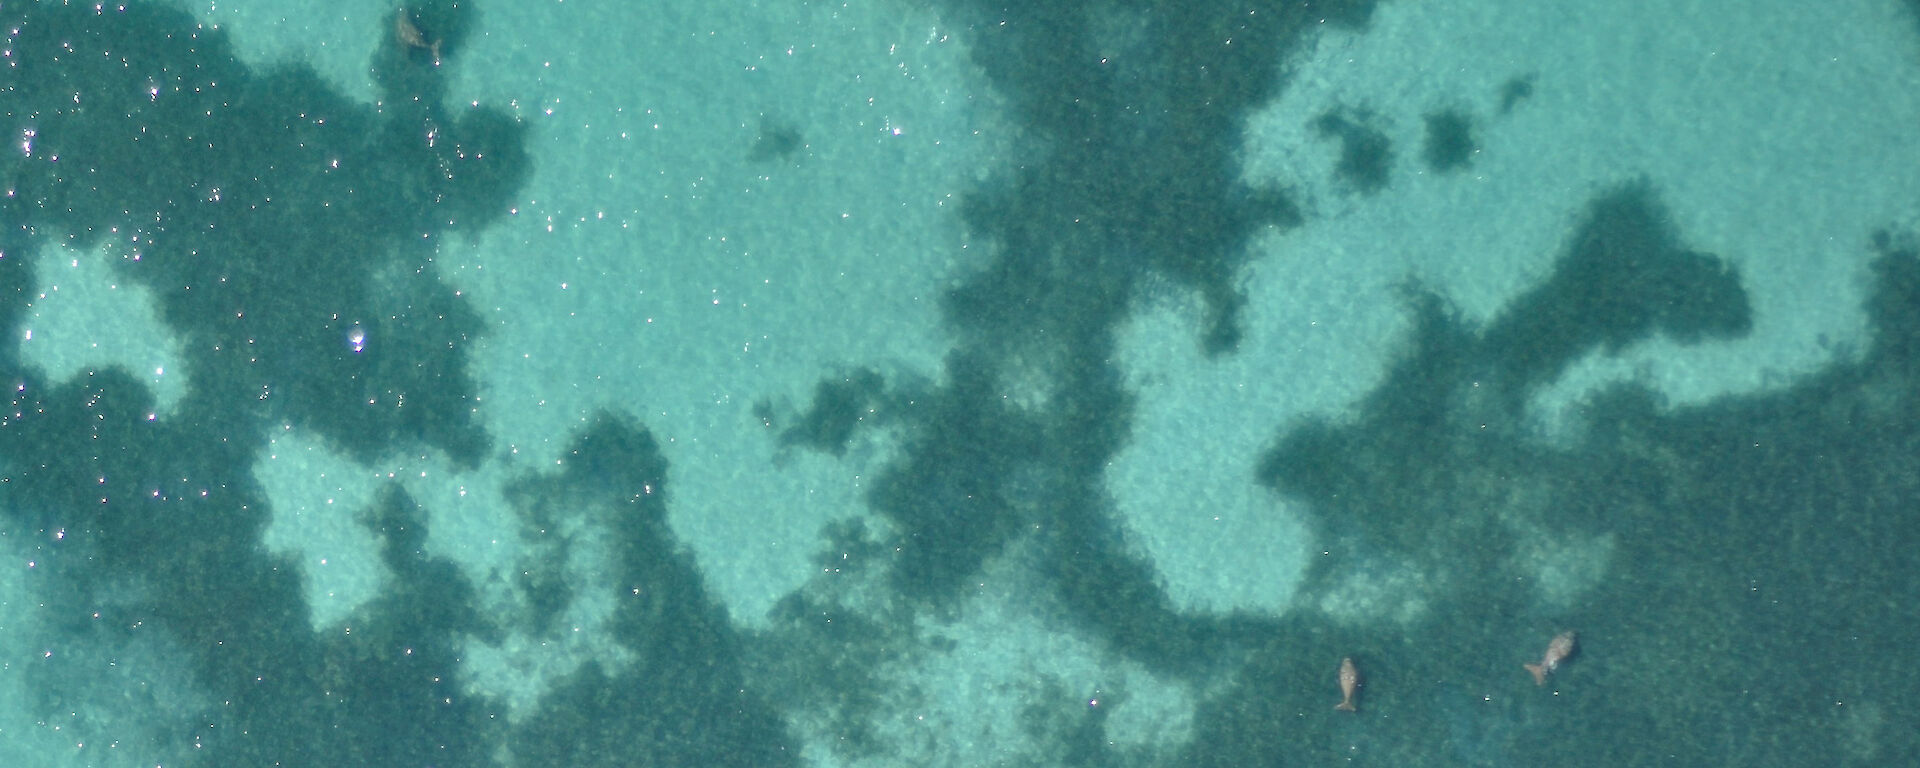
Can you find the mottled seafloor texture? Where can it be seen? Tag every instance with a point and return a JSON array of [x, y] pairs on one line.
[[955, 385]]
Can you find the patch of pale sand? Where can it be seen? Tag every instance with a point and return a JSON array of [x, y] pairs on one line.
[[997, 682], [1564, 567], [82, 316], [1372, 589], [317, 497], [1185, 484], [1860, 725], [1763, 134]]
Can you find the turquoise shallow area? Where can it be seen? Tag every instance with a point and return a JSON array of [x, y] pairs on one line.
[[481, 384]]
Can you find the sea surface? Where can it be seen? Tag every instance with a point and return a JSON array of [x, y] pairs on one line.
[[887, 382]]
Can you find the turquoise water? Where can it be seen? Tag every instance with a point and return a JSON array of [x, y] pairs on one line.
[[892, 384]]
